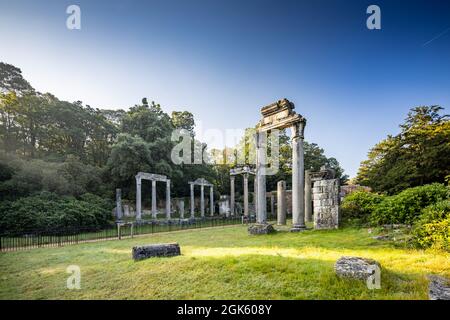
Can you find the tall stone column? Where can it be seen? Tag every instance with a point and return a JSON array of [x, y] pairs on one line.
[[232, 192], [281, 200], [119, 212], [154, 199], [138, 199], [255, 194], [168, 199], [298, 183], [272, 204], [261, 215], [192, 201], [308, 195], [246, 194], [211, 201], [202, 200]]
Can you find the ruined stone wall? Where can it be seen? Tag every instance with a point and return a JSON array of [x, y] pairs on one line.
[[326, 204]]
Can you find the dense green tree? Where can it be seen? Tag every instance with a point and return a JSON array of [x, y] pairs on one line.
[[11, 80], [183, 120], [9, 128], [129, 155], [418, 155]]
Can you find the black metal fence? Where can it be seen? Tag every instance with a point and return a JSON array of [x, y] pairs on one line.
[[56, 238]]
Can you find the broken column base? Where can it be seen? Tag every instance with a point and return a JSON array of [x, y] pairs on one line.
[[439, 288], [261, 228], [298, 228], [355, 267], [156, 250]]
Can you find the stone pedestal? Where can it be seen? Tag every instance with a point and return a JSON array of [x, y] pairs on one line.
[[281, 200]]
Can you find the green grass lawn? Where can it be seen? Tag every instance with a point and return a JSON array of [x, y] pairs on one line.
[[221, 263]]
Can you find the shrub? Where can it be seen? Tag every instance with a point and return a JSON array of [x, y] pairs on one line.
[[358, 206], [406, 207], [21, 178], [433, 228], [48, 211]]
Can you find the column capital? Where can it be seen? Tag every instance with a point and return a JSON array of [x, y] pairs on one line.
[[298, 130]]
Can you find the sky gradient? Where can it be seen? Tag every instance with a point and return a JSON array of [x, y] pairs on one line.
[[224, 60]]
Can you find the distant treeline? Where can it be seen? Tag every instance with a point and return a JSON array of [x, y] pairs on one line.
[[70, 149]]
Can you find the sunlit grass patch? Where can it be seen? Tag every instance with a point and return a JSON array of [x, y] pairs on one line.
[[224, 263]]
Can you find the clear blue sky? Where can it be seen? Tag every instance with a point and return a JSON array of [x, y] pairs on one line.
[[223, 60]]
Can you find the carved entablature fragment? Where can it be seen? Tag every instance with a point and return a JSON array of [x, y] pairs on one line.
[[151, 176], [280, 115], [201, 182]]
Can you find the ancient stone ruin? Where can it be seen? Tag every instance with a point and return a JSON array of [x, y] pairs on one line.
[[356, 267], [438, 288], [156, 250], [245, 171], [278, 116], [260, 229], [202, 183], [325, 194], [153, 178]]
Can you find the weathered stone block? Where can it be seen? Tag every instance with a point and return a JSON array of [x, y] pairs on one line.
[[438, 288], [156, 250], [317, 189], [264, 228], [320, 196], [355, 267], [326, 204]]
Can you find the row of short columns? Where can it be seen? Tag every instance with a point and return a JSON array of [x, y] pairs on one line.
[[168, 209], [246, 193], [298, 176], [139, 199], [202, 200]]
